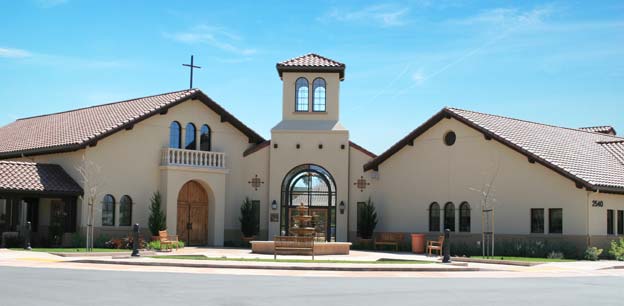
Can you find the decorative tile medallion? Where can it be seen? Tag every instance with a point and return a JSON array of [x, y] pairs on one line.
[[256, 182]]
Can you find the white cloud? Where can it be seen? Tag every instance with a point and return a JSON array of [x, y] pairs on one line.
[[507, 17], [418, 77], [14, 53], [383, 14], [214, 36]]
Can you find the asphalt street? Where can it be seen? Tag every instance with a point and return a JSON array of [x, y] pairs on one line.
[[44, 286]]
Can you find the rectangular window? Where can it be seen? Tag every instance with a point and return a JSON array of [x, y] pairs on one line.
[[537, 220], [609, 221], [359, 216], [555, 220], [256, 208], [620, 222]]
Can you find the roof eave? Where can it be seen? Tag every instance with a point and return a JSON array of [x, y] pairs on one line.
[[339, 69]]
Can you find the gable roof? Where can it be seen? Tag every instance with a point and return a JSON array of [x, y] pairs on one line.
[[77, 129], [576, 154], [604, 129], [311, 62], [26, 177]]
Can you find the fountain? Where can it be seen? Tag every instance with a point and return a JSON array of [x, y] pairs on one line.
[[302, 220]]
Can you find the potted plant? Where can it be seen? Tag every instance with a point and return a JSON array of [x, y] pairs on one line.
[[249, 221], [367, 221]]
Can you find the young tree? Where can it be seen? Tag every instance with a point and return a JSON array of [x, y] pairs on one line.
[[487, 213], [89, 174], [157, 219], [248, 219]]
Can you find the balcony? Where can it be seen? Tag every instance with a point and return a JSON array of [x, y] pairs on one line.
[[193, 158]]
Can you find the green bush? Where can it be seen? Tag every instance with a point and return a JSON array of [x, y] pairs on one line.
[[367, 220], [155, 245], [77, 241], [248, 219], [555, 255], [100, 241], [157, 219], [617, 249], [535, 248], [592, 253]]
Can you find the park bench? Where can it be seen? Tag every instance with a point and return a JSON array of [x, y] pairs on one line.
[[293, 245], [435, 245], [167, 241], [393, 239]]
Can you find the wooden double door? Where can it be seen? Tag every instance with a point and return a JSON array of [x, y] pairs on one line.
[[192, 225]]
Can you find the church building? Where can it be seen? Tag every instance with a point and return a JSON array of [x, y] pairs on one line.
[[543, 182]]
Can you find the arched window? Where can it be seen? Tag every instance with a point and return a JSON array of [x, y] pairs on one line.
[[175, 135], [434, 217], [189, 138], [108, 210], [125, 211], [318, 95], [464, 217], [449, 216], [301, 95], [204, 138]]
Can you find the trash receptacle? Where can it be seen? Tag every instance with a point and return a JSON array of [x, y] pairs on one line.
[[418, 243]]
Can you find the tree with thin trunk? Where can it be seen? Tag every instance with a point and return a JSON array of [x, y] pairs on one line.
[[89, 173], [488, 200]]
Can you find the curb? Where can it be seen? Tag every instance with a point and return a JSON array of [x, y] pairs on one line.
[[496, 261], [98, 254], [268, 267]]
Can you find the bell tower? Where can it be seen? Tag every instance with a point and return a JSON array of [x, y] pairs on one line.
[[311, 85], [310, 137]]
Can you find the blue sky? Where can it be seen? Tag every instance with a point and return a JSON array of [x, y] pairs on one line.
[[560, 63]]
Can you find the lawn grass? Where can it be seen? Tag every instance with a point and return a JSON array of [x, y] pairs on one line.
[[71, 250], [526, 259], [202, 257]]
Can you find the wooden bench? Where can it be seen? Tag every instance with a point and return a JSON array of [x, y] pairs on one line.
[[167, 241], [284, 245], [435, 245], [389, 239]]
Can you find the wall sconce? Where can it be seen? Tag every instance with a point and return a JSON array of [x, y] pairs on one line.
[[274, 205], [341, 206]]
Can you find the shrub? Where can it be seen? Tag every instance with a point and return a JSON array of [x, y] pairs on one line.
[[248, 219], [555, 255], [100, 241], [367, 220], [155, 245], [617, 249], [77, 241], [592, 253], [157, 219], [535, 248]]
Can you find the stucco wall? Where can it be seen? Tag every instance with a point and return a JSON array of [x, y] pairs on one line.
[[129, 163], [331, 157], [431, 171]]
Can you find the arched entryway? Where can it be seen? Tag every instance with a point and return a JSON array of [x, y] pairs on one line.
[[313, 187], [192, 225]]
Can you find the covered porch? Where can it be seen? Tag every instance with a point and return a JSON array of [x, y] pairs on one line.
[[42, 194]]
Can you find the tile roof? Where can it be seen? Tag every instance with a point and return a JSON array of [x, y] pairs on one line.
[[604, 129], [75, 129], [576, 154], [36, 178], [616, 148], [311, 62]]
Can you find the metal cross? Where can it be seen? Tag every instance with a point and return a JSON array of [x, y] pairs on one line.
[[191, 66]]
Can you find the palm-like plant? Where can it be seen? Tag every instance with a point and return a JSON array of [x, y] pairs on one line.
[[248, 219], [367, 220]]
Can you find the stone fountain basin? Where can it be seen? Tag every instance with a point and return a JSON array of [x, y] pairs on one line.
[[320, 248]]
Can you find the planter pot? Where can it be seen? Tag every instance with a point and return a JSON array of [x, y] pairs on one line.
[[418, 243], [246, 240]]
